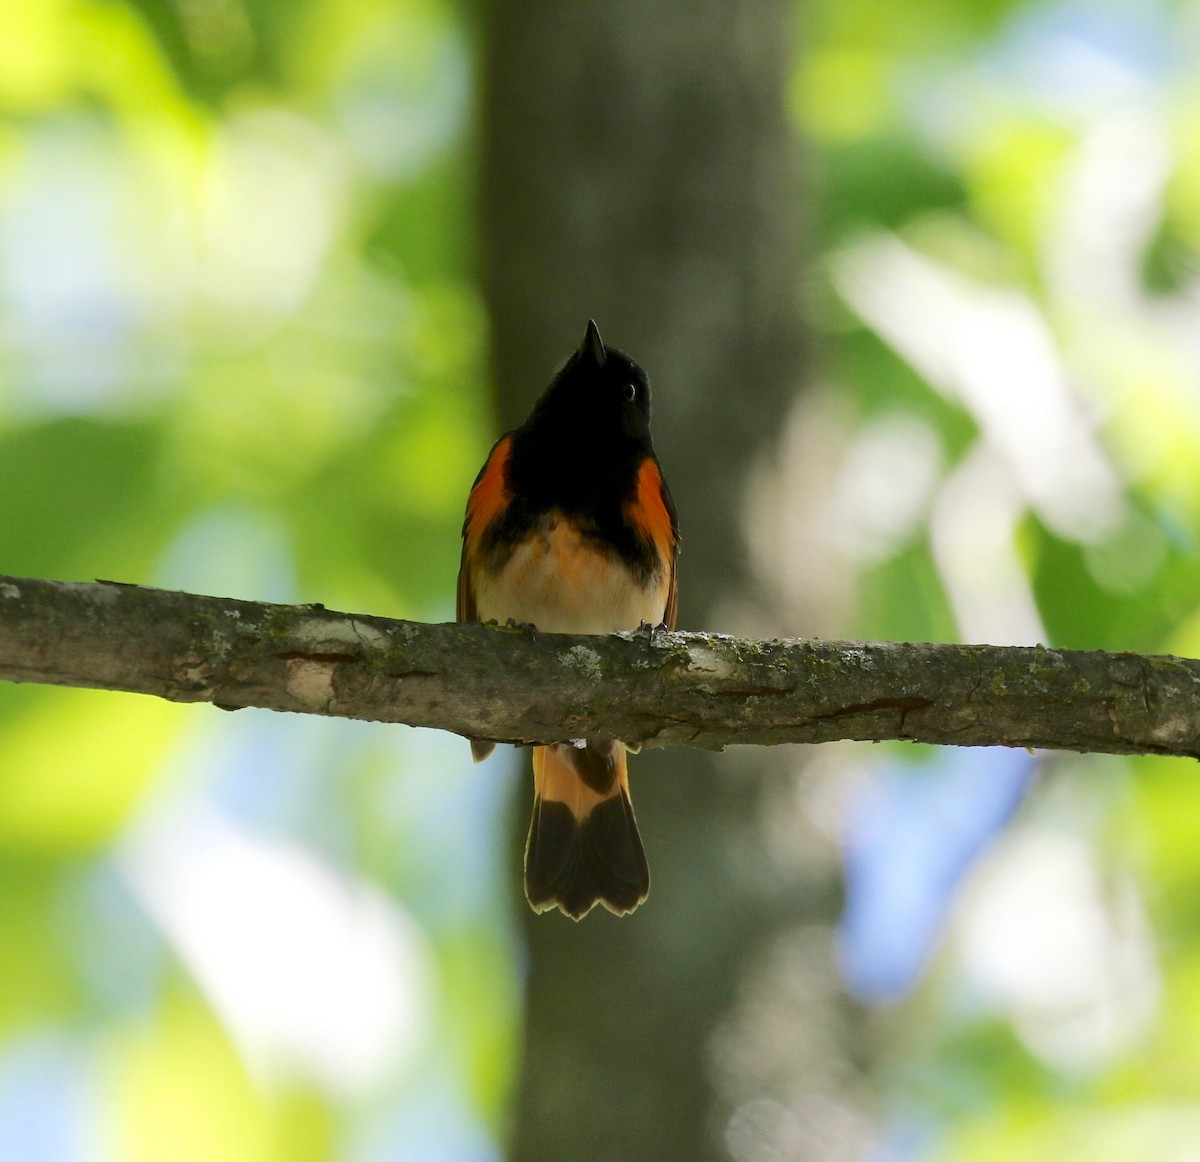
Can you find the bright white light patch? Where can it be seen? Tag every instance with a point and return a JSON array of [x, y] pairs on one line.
[[973, 538], [312, 973], [1070, 957], [268, 212], [1112, 203], [991, 349], [885, 483]]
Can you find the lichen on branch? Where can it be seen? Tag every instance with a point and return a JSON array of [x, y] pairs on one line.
[[660, 688]]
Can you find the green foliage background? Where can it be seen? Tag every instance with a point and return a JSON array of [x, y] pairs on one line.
[[243, 351]]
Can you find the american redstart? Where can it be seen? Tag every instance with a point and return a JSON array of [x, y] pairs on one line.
[[571, 528]]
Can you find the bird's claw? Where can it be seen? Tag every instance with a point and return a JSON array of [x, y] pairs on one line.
[[650, 630]]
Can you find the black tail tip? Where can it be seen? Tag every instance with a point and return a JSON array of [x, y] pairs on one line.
[[573, 866]]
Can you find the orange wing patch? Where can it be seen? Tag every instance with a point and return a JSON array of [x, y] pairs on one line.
[[648, 513], [489, 498]]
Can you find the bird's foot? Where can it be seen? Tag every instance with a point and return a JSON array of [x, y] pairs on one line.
[[650, 630]]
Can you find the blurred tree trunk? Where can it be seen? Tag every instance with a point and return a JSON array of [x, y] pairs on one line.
[[639, 170]]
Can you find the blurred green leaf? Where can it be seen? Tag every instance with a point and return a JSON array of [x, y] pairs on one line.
[[80, 499], [177, 1090], [37, 985], [75, 763]]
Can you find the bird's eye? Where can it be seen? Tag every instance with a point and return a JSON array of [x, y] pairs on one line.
[[630, 392]]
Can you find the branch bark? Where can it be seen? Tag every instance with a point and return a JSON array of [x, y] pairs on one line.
[[514, 686]]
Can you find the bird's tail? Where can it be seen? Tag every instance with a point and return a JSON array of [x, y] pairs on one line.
[[583, 846]]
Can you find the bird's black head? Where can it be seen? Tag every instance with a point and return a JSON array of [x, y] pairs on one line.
[[598, 394], [586, 439]]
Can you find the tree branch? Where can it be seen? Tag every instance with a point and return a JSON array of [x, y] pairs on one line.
[[514, 686]]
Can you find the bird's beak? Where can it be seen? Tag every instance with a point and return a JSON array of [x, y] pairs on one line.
[[592, 345]]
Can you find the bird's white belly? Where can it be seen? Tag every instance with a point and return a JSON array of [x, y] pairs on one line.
[[559, 582]]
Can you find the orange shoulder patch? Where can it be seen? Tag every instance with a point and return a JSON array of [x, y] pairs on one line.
[[647, 511], [489, 497]]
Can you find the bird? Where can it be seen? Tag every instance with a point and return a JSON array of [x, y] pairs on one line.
[[570, 528]]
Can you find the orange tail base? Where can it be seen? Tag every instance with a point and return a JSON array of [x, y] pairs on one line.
[[583, 847]]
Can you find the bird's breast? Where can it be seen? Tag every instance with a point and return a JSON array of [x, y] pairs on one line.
[[563, 581]]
